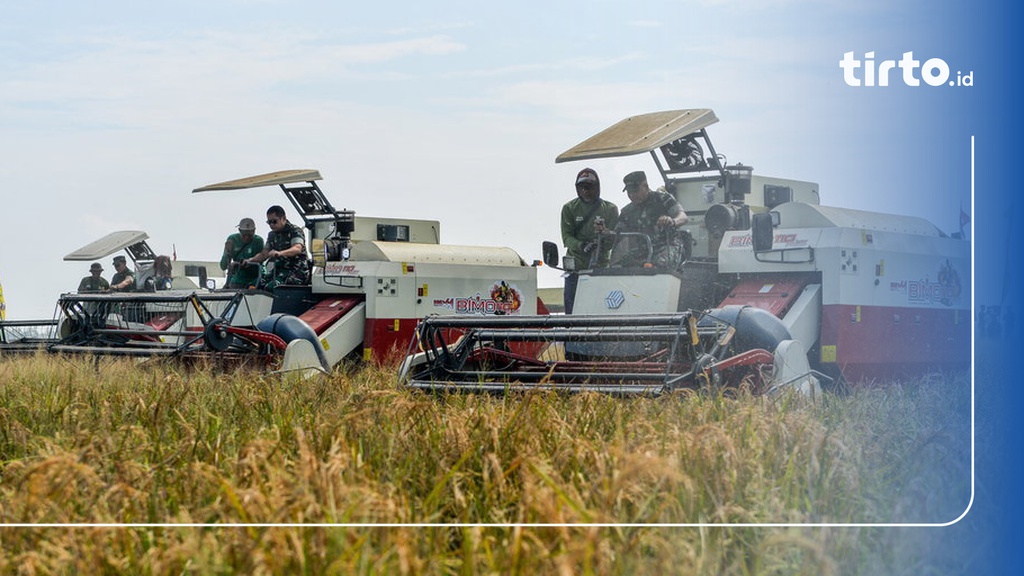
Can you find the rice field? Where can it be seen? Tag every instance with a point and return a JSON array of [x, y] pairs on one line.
[[223, 472]]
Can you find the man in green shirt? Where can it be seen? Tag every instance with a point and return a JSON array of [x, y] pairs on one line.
[[239, 247], [94, 282], [583, 219]]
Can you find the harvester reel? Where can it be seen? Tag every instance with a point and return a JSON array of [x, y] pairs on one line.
[[706, 375], [216, 335]]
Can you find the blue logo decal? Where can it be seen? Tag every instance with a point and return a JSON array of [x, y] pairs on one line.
[[614, 299]]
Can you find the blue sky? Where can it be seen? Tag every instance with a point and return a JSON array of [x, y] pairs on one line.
[[112, 112]]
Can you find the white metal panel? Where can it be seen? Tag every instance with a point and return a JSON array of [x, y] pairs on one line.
[[253, 308], [867, 267], [345, 335], [736, 252], [804, 317], [420, 231], [626, 294], [802, 215], [476, 290], [300, 357], [435, 254]]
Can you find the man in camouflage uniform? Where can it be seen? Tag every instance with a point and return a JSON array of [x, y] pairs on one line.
[[583, 219], [123, 279], [286, 245], [654, 213]]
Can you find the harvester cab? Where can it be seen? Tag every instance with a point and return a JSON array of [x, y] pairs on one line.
[[677, 269], [717, 196], [330, 230]]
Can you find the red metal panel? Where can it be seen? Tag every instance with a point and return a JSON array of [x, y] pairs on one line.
[[326, 312], [163, 321], [772, 292], [885, 342], [386, 339]]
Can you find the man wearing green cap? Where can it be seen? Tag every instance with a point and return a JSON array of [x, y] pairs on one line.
[[651, 212], [94, 282]]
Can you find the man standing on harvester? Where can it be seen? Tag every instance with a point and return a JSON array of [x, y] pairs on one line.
[[583, 219], [94, 282], [238, 247], [123, 279]]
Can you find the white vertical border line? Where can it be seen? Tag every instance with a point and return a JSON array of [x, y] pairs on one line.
[[973, 313]]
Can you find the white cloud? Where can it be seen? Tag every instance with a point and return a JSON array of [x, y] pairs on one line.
[[567, 65]]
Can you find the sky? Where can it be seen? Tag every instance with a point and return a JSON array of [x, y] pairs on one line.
[[111, 112]]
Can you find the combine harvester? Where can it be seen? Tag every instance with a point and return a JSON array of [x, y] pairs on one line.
[[772, 290], [372, 279]]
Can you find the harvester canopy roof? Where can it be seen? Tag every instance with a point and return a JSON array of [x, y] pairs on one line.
[[642, 133], [107, 245], [269, 179]]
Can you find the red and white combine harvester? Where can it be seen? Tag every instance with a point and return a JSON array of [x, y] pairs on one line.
[[372, 280], [769, 289]]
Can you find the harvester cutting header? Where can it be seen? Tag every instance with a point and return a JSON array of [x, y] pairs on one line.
[[770, 288]]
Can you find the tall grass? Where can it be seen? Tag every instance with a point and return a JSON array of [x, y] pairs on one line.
[[100, 441]]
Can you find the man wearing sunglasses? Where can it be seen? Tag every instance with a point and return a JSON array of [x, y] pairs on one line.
[[123, 279], [583, 219], [286, 245]]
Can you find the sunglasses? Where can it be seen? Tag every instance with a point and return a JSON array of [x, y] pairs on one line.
[[273, 221], [585, 186]]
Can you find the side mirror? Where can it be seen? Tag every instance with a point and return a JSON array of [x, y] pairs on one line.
[[549, 251], [761, 232]]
